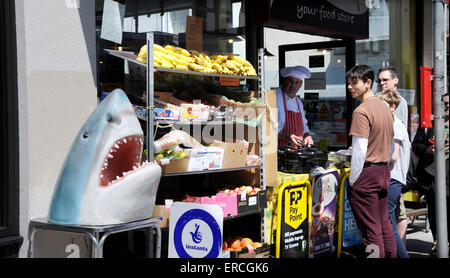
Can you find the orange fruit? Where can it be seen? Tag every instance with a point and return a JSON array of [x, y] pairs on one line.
[[235, 244], [224, 245], [246, 241]]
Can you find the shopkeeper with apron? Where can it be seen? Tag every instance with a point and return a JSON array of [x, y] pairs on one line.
[[292, 124]]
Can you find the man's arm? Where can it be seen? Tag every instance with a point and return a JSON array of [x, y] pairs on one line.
[[359, 151]]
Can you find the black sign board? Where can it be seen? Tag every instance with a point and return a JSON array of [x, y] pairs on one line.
[[333, 18], [293, 222], [316, 61]]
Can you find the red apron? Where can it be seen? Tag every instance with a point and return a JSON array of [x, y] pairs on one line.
[[293, 123]]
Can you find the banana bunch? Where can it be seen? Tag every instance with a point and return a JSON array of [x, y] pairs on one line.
[[174, 57], [202, 62], [233, 64], [171, 57]]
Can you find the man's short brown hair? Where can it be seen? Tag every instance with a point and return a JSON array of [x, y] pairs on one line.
[[391, 96]]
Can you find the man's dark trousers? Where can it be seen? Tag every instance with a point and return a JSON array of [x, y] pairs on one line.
[[368, 199]]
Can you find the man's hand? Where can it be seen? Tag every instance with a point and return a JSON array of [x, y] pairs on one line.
[[430, 149], [308, 140], [295, 139]]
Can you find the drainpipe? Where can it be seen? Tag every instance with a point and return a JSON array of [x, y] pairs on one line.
[[439, 52]]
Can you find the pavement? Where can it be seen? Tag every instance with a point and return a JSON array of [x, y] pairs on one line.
[[419, 239]]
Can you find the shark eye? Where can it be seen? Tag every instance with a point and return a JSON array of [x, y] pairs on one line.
[[113, 119], [85, 135]]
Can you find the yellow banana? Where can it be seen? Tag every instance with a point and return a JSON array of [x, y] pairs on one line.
[[238, 65], [217, 67], [166, 64], [141, 60], [198, 60], [196, 67], [143, 51], [231, 66], [157, 59], [182, 62], [181, 67], [163, 56], [185, 52], [173, 59], [156, 64], [184, 58], [157, 47], [171, 48]]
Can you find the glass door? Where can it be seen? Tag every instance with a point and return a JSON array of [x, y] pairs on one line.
[[327, 104]]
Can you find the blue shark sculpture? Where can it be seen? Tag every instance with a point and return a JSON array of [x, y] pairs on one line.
[[102, 181]]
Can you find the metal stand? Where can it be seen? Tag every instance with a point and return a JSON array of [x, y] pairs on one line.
[[97, 234]]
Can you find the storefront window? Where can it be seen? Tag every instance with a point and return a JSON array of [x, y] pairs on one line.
[[209, 26]]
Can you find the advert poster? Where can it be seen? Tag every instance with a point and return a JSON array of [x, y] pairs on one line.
[[351, 235], [292, 226], [323, 213]]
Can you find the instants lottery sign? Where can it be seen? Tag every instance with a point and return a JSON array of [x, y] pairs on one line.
[[195, 231]]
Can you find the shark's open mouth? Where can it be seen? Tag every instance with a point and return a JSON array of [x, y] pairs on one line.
[[122, 159]]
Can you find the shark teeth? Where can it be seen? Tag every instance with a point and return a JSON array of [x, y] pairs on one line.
[[122, 159], [125, 174]]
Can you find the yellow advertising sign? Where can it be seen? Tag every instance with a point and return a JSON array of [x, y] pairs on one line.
[[295, 210]]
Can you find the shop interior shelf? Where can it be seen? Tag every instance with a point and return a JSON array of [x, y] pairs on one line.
[[131, 57], [210, 171], [244, 214]]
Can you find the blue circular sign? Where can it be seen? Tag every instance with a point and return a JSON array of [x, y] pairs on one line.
[[198, 214]]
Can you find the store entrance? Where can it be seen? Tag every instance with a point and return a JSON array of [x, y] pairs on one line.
[[327, 104]]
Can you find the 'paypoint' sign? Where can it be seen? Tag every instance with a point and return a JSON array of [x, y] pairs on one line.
[[295, 210], [292, 220]]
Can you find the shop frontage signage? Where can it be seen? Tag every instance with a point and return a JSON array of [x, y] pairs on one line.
[[195, 231], [292, 223], [334, 18], [323, 212]]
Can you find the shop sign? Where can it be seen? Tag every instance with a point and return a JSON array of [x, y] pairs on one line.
[[317, 81], [194, 33], [351, 235], [323, 212], [195, 231], [334, 18], [227, 81], [324, 111], [292, 224]]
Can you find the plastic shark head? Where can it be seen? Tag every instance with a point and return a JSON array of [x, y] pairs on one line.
[[102, 181]]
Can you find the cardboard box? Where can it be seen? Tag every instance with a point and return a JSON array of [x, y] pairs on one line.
[[166, 114], [176, 166], [207, 158], [194, 112], [199, 159], [235, 154], [250, 203], [164, 212]]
